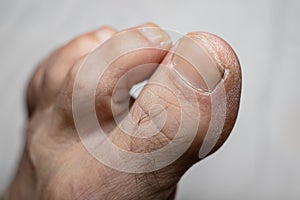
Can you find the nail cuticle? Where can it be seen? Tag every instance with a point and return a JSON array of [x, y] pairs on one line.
[[200, 90]]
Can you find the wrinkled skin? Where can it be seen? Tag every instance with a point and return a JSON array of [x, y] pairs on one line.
[[55, 164]]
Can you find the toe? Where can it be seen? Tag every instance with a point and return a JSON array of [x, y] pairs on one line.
[[130, 56], [188, 107], [48, 77]]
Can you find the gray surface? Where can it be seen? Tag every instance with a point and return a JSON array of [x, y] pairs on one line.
[[261, 158]]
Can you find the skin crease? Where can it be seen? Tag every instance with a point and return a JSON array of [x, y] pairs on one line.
[[55, 164]]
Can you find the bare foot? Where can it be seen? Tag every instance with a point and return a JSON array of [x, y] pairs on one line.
[[195, 112]]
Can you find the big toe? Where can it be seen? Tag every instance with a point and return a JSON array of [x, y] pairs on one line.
[[187, 109]]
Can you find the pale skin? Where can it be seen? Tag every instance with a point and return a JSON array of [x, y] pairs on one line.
[[55, 164]]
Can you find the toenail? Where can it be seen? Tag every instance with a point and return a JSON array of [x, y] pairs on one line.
[[194, 63]]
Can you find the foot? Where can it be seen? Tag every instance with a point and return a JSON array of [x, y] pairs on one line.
[[184, 113]]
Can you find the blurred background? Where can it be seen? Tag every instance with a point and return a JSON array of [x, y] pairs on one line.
[[260, 160]]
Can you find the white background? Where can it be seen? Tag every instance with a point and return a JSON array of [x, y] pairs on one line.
[[261, 158]]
